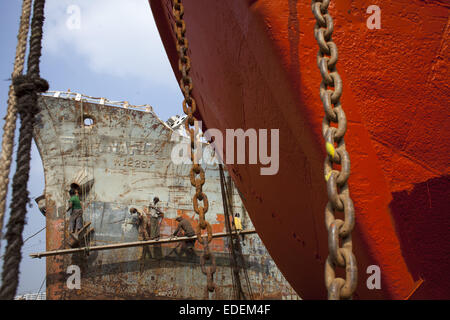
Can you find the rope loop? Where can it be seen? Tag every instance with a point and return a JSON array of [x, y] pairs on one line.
[[26, 90]]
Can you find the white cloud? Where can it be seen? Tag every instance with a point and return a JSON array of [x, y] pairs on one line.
[[116, 37]]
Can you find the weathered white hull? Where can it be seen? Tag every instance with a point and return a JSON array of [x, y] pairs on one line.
[[126, 153]]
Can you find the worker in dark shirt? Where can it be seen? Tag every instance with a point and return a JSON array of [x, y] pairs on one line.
[[156, 216], [143, 230], [76, 215], [185, 229], [143, 223]]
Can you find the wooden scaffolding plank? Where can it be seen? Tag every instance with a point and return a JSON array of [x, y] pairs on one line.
[[129, 244]]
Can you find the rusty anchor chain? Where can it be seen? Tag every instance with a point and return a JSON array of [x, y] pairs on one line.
[[339, 231], [197, 174], [208, 270]]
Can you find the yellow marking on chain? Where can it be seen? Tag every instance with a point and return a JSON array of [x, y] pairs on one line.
[[330, 149], [327, 176]]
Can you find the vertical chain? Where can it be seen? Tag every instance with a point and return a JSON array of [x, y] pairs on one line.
[[197, 174], [339, 231], [208, 270]]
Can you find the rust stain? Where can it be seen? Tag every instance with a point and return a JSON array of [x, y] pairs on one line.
[[126, 153]]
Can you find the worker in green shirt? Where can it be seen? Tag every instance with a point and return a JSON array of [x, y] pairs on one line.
[[76, 216]]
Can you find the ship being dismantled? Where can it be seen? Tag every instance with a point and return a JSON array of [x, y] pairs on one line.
[[120, 157]]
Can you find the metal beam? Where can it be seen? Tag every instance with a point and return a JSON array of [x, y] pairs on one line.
[[129, 244]]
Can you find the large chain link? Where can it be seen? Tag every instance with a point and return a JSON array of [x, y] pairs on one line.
[[197, 174], [208, 270], [339, 231]]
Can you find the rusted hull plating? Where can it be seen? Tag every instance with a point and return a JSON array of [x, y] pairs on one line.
[[253, 65], [126, 153]]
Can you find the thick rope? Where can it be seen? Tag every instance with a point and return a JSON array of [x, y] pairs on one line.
[[9, 127], [27, 88]]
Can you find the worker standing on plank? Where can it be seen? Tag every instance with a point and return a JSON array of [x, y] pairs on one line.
[[237, 224], [76, 216], [143, 230], [156, 216], [185, 226]]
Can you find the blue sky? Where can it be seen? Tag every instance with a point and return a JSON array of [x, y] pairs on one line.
[[114, 52]]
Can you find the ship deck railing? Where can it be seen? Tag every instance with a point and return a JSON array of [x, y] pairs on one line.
[[97, 100]]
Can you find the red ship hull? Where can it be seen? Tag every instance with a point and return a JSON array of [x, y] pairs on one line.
[[254, 66]]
